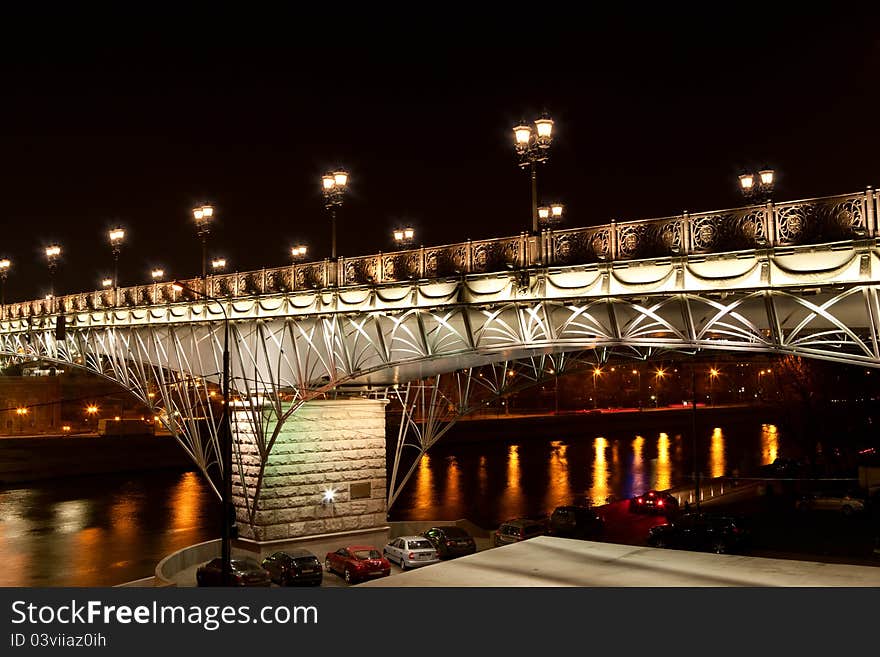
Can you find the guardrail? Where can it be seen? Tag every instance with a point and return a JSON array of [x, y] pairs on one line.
[[810, 221]]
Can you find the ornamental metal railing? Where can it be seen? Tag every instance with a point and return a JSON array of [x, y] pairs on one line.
[[811, 221]]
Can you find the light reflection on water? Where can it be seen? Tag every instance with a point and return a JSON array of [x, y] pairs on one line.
[[559, 487], [769, 443], [101, 530], [717, 458], [599, 490], [533, 475]]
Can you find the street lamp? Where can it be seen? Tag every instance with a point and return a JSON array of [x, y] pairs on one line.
[[550, 215], [107, 283], [53, 252], [298, 253], [226, 445], [713, 374], [404, 237], [638, 373], [5, 265], [204, 215], [758, 187], [157, 274], [597, 372], [218, 265], [117, 235], [659, 375], [333, 186], [532, 147]]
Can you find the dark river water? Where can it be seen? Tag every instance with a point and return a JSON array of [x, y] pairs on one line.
[[108, 529], [490, 481]]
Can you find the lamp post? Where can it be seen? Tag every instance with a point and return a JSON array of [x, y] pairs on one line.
[[532, 147], [117, 235], [333, 186], [226, 445], [758, 187], [713, 374], [597, 372], [694, 431], [638, 373], [53, 253], [404, 237], [298, 253], [203, 216], [659, 375], [5, 265]]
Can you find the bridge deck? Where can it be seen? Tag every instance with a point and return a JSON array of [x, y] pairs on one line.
[[548, 561]]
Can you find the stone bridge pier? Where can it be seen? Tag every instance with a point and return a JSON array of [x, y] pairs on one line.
[[323, 479]]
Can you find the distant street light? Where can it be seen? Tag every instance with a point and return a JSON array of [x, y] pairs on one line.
[[218, 265], [597, 372], [204, 216], [333, 186], [157, 275], [532, 147], [53, 253], [404, 237], [758, 187], [107, 283], [117, 236], [713, 374], [5, 265], [298, 253], [638, 373]]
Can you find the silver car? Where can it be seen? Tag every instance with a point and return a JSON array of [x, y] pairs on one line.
[[411, 552], [845, 503]]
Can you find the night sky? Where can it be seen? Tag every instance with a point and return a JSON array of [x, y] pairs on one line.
[[650, 121]]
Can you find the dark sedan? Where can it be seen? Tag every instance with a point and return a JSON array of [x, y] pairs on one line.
[[451, 541], [693, 531], [576, 522], [245, 572], [295, 566]]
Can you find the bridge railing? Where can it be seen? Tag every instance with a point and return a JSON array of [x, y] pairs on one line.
[[809, 221]]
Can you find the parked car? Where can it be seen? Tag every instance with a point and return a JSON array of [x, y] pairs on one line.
[[357, 563], [296, 566], [245, 572], [411, 552], [518, 529], [653, 502], [451, 541], [845, 503], [700, 531], [576, 522]]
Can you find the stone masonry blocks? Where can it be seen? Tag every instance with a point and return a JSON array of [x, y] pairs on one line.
[[324, 445]]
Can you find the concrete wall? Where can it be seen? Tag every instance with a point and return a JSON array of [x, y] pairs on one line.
[[327, 444]]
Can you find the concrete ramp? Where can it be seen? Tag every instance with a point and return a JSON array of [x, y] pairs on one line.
[[548, 561]]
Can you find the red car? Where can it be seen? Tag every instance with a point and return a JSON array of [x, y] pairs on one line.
[[653, 502], [357, 563]]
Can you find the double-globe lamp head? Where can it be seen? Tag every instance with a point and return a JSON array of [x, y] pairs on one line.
[[526, 137], [751, 184]]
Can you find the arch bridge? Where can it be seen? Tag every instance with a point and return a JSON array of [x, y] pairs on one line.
[[790, 278]]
